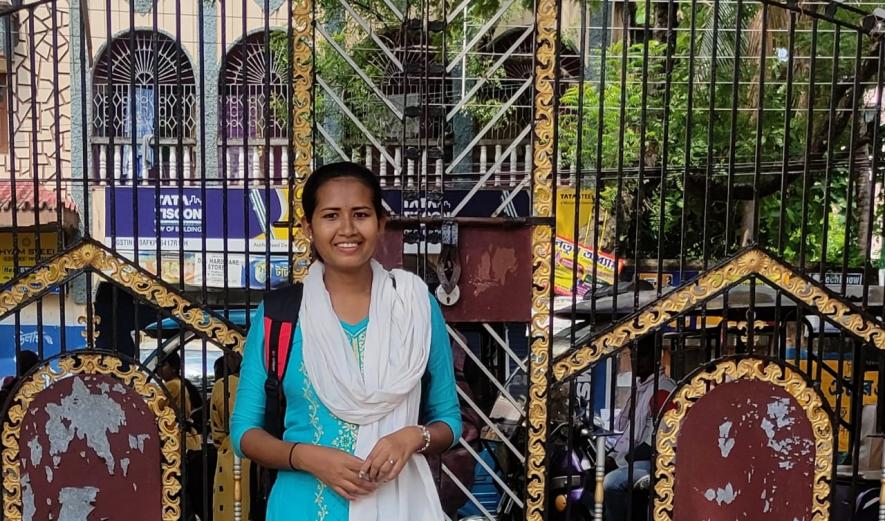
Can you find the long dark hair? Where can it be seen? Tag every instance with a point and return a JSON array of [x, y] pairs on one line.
[[326, 173]]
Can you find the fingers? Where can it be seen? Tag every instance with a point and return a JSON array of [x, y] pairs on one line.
[[394, 470], [352, 486], [385, 467], [380, 465]]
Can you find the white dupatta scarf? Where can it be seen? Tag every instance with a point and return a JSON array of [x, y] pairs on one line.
[[386, 395]]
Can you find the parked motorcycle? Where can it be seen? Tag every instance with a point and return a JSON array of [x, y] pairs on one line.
[[572, 474]]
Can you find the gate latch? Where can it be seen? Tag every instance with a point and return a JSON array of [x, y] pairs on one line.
[[448, 266]]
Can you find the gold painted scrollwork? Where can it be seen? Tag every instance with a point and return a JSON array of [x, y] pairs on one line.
[[302, 116], [94, 364], [753, 369], [543, 159], [90, 255], [750, 262]]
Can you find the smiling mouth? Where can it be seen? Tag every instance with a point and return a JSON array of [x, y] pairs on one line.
[[348, 246]]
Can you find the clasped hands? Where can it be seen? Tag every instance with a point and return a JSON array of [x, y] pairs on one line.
[[352, 477]]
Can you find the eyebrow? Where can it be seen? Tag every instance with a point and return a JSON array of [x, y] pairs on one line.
[[337, 209]]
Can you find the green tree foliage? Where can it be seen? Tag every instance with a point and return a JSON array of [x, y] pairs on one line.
[[712, 153]]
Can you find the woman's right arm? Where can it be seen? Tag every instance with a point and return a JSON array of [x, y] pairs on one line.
[[248, 437]]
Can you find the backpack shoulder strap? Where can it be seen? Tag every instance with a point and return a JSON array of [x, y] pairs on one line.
[[281, 307]]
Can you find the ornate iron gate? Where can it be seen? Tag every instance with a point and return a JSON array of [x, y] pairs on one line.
[[728, 157], [608, 169]]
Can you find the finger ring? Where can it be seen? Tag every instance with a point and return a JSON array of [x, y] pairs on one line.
[[392, 461], [362, 475]]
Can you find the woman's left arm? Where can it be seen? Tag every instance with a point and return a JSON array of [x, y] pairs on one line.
[[440, 410]]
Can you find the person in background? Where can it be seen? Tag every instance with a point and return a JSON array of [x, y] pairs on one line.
[[26, 360], [219, 368], [225, 391], [184, 398], [649, 400]]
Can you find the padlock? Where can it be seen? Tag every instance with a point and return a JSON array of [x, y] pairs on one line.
[[448, 299]]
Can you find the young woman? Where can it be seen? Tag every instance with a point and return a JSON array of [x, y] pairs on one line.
[[358, 421]]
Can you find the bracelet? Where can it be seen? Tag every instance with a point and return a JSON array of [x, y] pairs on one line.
[[425, 433], [292, 451]]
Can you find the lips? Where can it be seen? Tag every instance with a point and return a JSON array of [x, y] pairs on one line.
[[347, 247]]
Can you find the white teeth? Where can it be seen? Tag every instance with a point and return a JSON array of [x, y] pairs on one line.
[[347, 245]]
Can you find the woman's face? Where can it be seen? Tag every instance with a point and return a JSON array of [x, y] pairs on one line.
[[345, 227]]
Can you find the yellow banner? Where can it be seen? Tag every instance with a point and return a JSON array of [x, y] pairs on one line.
[[567, 211], [25, 250], [567, 253], [828, 389]]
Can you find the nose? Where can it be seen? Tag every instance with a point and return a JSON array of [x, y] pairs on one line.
[[347, 226]]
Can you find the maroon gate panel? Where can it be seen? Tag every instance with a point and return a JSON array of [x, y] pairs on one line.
[[496, 276], [745, 450], [90, 449]]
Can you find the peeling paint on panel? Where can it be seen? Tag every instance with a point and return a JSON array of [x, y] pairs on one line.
[[137, 442], [28, 505], [124, 466], [725, 443], [722, 495], [36, 451], [49, 474], [76, 503], [84, 415]]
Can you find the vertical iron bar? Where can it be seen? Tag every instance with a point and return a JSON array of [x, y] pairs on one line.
[[158, 151], [111, 130], [708, 169], [188, 508], [598, 180], [852, 142], [225, 181], [874, 167], [36, 176], [809, 130], [665, 152], [732, 144], [135, 177], [689, 123], [268, 152], [179, 146], [579, 181], [87, 220], [631, 442], [643, 132], [245, 99], [290, 144], [10, 92], [59, 216], [830, 150], [806, 188], [858, 375], [620, 165], [207, 406], [760, 116], [780, 339]]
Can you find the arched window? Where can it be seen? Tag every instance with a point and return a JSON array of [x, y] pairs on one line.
[[143, 83], [254, 104]]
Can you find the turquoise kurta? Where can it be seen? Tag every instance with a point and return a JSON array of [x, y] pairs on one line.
[[299, 495]]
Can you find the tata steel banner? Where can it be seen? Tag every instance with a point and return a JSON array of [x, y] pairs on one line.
[[223, 235], [577, 264]]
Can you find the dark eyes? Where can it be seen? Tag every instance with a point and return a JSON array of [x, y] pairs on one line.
[[358, 215]]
